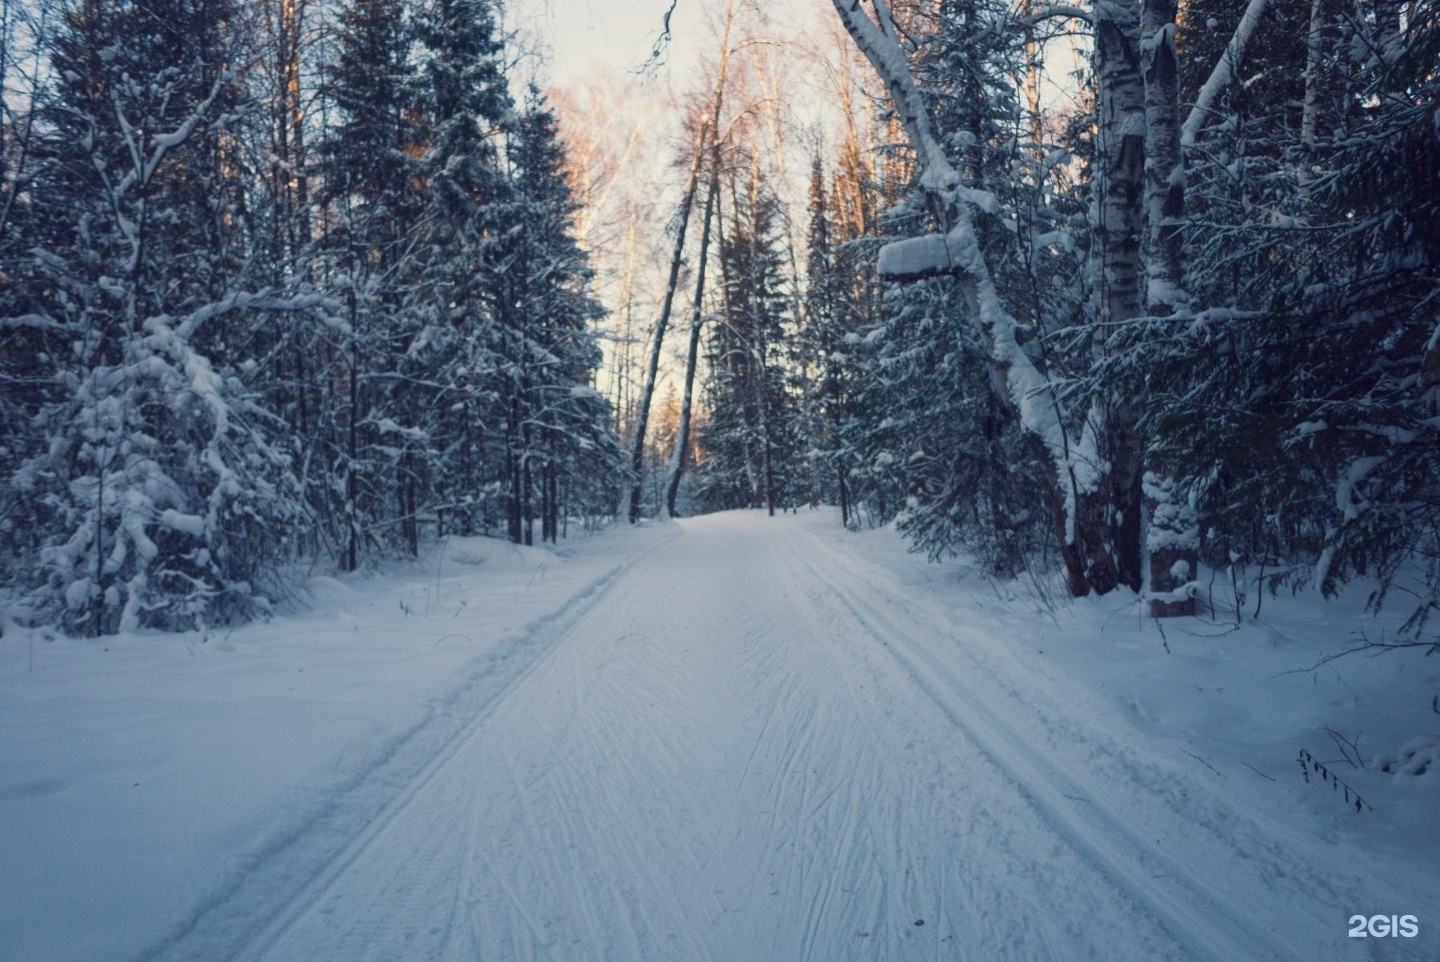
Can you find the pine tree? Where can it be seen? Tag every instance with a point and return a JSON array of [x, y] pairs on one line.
[[750, 441], [160, 499], [373, 205], [557, 434], [460, 252], [206, 342], [824, 337]]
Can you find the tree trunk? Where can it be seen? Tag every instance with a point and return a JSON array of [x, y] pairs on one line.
[[692, 356], [1120, 162], [711, 129], [1310, 113], [553, 502], [1173, 531], [1173, 540], [1164, 166], [527, 498], [514, 515], [642, 416], [1223, 73], [352, 451]]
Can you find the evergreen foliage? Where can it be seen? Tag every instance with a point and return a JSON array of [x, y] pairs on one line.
[[751, 455], [262, 302], [1308, 425], [212, 370], [1284, 387], [153, 492]]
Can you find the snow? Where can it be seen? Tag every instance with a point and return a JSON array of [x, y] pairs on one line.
[[923, 256], [78, 593], [191, 524], [1162, 291], [728, 738], [1186, 591], [1173, 522], [1418, 756], [153, 772]]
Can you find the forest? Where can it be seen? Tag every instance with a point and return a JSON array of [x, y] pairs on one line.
[[1103, 296]]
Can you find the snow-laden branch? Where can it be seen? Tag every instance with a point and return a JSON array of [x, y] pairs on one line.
[[1056, 11], [166, 142], [1224, 71], [1351, 505], [956, 252], [242, 301], [36, 321], [879, 44]]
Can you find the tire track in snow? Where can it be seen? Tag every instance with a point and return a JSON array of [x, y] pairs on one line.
[[877, 842], [713, 761], [1204, 919], [228, 926]]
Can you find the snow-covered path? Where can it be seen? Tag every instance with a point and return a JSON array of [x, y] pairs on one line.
[[749, 746]]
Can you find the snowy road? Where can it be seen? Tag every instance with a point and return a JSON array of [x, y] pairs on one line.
[[748, 746]]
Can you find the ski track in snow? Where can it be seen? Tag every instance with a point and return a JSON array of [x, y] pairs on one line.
[[748, 744]]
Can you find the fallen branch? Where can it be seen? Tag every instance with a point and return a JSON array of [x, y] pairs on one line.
[[1309, 763], [1257, 771], [1348, 747]]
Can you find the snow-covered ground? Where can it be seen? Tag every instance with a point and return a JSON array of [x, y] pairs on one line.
[[733, 738]]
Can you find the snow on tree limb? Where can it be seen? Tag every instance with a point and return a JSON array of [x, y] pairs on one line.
[[882, 48], [1026, 389], [241, 301], [1224, 71], [915, 258], [1057, 11]]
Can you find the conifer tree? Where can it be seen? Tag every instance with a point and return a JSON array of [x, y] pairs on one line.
[[825, 336], [1311, 394], [370, 163], [557, 423], [160, 498], [460, 253], [750, 439]]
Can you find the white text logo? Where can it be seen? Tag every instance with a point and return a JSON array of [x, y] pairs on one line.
[[1405, 926]]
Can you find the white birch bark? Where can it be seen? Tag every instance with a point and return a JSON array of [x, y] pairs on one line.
[[1223, 73], [1120, 146], [692, 352], [1310, 114], [707, 130], [1172, 535], [1110, 514], [1025, 388], [657, 340], [1164, 167]]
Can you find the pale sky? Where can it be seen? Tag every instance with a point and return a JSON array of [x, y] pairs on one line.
[[589, 35], [586, 46], [585, 40]]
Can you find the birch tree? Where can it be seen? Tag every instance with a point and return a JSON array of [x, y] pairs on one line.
[[692, 351], [1015, 371], [662, 322], [1096, 454]]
